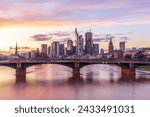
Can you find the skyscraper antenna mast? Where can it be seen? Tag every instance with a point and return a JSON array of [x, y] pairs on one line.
[[76, 26], [90, 28]]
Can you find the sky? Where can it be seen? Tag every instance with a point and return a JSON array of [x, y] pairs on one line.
[[33, 22]]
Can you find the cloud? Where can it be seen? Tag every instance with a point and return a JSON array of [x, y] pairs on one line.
[[97, 35], [64, 40], [59, 34], [125, 38], [40, 37], [53, 36], [103, 37], [71, 12], [124, 34], [100, 39], [129, 33], [120, 34]]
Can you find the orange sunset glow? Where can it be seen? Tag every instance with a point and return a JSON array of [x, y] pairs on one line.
[[27, 18]]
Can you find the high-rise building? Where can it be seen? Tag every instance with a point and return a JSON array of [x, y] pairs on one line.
[[96, 49], [102, 51], [16, 49], [111, 47], [48, 50], [61, 49], [37, 52], [55, 48], [44, 48], [69, 45], [81, 44], [74, 49], [88, 43], [77, 42], [69, 50], [122, 46], [33, 54]]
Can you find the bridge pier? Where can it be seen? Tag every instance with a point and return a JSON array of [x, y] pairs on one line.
[[20, 73], [128, 73], [76, 71]]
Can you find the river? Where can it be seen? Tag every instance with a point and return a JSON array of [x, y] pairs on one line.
[[44, 82]]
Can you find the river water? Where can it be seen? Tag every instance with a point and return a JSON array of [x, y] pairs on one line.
[[56, 82]]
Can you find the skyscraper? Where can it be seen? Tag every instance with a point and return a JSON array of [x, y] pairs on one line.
[[122, 46], [69, 50], [96, 49], [102, 51], [16, 49], [88, 43], [48, 50], [44, 48], [55, 48], [61, 49], [81, 42], [77, 42], [111, 47], [69, 45]]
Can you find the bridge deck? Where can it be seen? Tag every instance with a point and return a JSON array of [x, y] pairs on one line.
[[73, 61]]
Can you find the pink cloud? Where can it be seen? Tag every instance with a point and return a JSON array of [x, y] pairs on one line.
[[70, 12]]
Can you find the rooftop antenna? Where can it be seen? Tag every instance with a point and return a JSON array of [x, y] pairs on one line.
[[76, 26], [90, 28]]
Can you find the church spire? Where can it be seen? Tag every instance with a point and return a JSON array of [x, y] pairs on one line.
[[111, 47]]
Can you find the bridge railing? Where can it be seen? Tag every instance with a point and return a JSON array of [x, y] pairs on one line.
[[74, 60]]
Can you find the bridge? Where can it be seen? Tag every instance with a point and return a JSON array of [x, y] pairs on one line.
[[127, 67]]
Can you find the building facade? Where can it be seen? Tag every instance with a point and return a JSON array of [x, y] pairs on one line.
[[81, 45], [88, 43], [55, 48], [69, 50], [61, 49], [77, 42], [95, 49], [102, 51], [122, 46], [44, 48]]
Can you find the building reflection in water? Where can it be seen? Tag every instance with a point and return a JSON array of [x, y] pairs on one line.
[[57, 82]]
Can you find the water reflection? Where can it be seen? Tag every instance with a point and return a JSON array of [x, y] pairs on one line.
[[58, 82]]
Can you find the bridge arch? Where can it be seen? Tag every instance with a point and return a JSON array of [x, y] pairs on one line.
[[82, 65], [8, 66], [66, 65]]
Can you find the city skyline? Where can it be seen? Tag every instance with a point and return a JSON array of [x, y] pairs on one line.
[[24, 22]]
